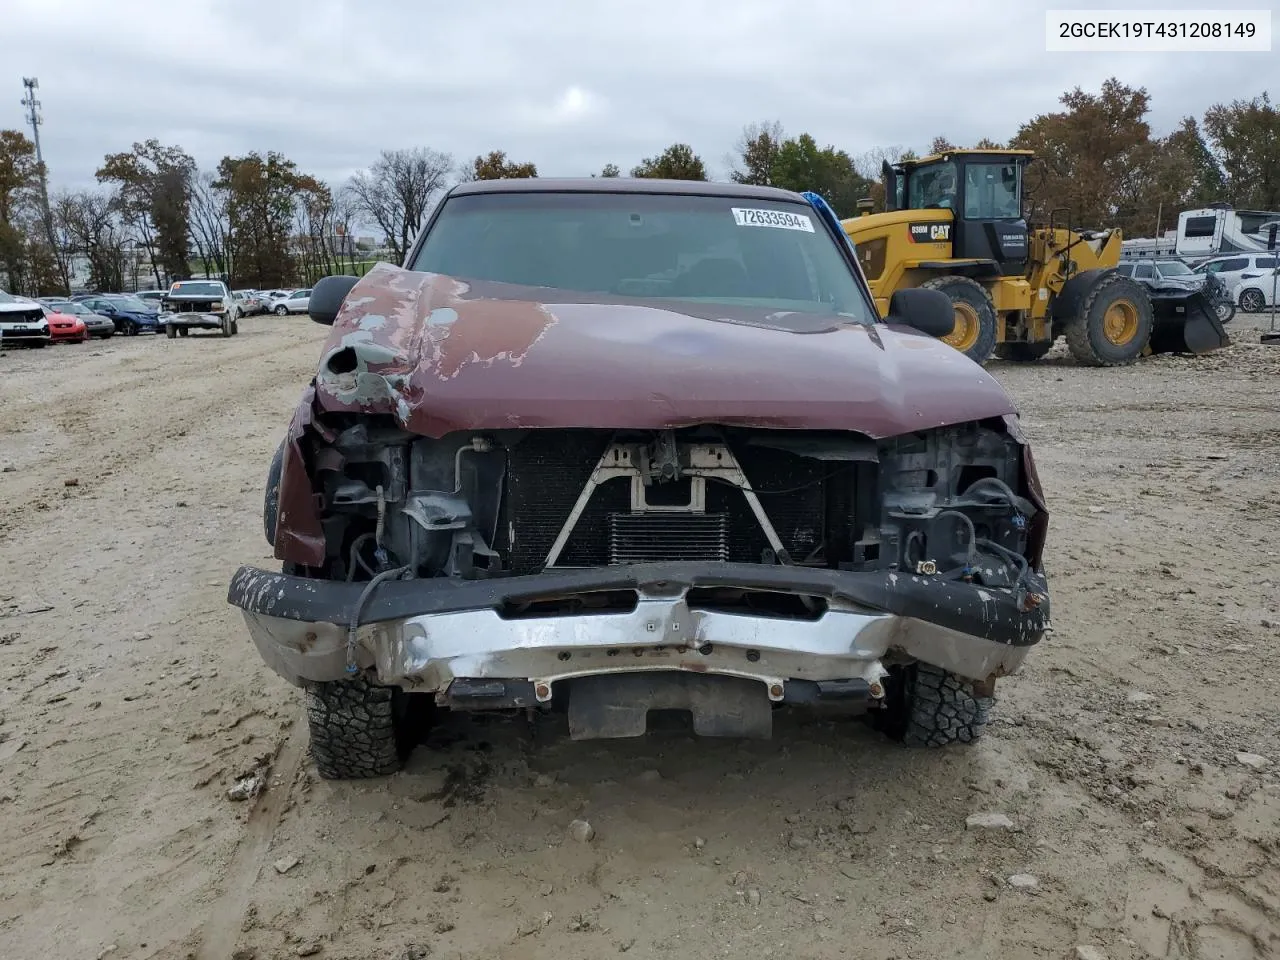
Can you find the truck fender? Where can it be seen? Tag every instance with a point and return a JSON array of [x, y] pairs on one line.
[[271, 500]]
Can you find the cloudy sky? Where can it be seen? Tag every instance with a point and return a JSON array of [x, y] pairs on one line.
[[569, 84]]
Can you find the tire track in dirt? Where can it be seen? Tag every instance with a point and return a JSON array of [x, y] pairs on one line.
[[221, 931]]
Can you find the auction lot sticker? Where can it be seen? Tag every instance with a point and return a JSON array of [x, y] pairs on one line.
[[772, 218]]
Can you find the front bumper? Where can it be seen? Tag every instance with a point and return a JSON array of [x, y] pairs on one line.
[[208, 321], [452, 637]]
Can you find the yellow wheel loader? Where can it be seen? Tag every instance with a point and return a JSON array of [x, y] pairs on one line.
[[954, 222]]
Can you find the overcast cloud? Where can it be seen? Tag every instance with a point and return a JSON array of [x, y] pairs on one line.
[[569, 84]]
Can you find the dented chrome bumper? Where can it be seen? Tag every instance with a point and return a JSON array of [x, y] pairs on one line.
[[454, 639]]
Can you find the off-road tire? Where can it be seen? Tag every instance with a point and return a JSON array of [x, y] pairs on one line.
[[1086, 333], [1252, 301], [973, 295], [356, 729], [170, 330], [931, 707], [1021, 352]]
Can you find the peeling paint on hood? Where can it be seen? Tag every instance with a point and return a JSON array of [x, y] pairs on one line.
[[440, 354]]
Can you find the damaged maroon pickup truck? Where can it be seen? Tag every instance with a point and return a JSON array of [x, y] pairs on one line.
[[609, 447]]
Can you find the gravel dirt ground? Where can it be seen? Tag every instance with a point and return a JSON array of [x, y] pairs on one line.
[[1136, 758]]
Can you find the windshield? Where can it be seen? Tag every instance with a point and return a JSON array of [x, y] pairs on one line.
[[74, 309], [713, 249], [196, 289], [5, 298], [1173, 268], [130, 303]]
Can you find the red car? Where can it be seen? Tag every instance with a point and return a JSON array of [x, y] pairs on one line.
[[65, 328]]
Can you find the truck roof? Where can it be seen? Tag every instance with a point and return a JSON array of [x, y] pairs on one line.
[[702, 188]]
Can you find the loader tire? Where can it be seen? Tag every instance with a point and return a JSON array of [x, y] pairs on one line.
[[1022, 352], [1114, 324], [974, 334], [931, 707], [357, 729]]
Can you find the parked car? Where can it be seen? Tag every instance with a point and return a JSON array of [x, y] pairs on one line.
[[97, 325], [128, 313], [1232, 269], [200, 305], [295, 302], [151, 298], [618, 446], [22, 322], [1174, 287], [1163, 278], [65, 327], [251, 302], [1258, 289]]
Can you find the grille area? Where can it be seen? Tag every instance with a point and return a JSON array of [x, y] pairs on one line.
[[653, 537], [546, 471]]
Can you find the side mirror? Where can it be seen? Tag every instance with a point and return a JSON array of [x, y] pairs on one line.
[[327, 296], [929, 311]]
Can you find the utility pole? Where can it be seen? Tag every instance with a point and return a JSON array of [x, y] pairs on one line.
[[33, 117]]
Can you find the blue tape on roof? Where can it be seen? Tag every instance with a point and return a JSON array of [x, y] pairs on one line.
[[824, 211]]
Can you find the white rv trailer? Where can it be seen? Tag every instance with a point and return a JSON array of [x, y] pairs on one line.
[[1221, 229]]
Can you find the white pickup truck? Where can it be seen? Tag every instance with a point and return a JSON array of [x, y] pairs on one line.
[[199, 304]]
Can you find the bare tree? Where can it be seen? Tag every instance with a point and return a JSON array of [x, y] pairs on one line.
[[210, 225], [397, 191], [869, 164], [92, 226]]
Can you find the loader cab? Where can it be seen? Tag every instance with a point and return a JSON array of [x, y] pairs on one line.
[[983, 191]]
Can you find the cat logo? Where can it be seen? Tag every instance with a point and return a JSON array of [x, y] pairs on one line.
[[929, 232]]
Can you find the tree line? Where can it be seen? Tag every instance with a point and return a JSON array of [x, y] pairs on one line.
[[259, 221]]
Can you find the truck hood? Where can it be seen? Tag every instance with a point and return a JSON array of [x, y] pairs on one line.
[[441, 354]]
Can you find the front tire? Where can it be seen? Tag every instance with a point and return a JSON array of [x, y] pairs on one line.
[[931, 707], [1114, 324], [130, 328], [1252, 301], [974, 333], [357, 729]]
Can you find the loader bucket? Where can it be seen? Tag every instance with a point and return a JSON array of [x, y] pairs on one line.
[[1194, 328]]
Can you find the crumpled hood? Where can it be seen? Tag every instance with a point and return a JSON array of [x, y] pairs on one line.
[[442, 355]]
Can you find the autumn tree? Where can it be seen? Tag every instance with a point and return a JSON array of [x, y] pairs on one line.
[[262, 196], [757, 153], [677, 162], [153, 188], [496, 166], [941, 145], [19, 178], [1246, 143], [610, 170], [1096, 153], [398, 190]]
